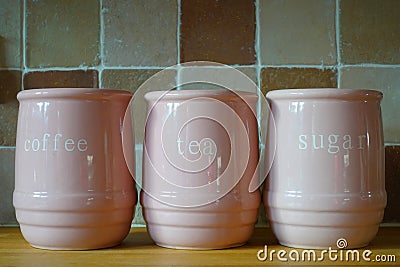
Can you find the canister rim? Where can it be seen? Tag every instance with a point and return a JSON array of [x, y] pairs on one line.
[[325, 93], [220, 94], [80, 93]]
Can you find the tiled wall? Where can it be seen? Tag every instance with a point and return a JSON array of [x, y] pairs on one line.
[[121, 43]]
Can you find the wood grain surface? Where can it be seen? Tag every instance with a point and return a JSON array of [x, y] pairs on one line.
[[139, 250]]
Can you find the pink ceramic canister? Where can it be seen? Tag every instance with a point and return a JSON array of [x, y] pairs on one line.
[[326, 187], [73, 189], [200, 153]]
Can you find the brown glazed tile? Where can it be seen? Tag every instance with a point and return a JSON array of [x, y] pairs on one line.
[[386, 80], [10, 85], [225, 75], [62, 33], [221, 31], [10, 33], [249, 72], [57, 79], [281, 78], [131, 80], [7, 212], [140, 33], [370, 31], [8, 123], [392, 169], [297, 32], [125, 79]]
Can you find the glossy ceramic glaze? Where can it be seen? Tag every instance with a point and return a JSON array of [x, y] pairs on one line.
[[73, 189], [327, 179], [200, 153]]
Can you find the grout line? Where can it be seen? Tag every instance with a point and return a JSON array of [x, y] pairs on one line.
[[139, 147], [391, 144], [244, 66], [178, 32], [223, 66], [301, 66], [101, 46], [24, 67], [257, 44], [260, 66], [134, 67], [338, 47], [374, 65], [43, 69], [94, 68], [178, 44], [257, 50], [259, 82], [370, 65]]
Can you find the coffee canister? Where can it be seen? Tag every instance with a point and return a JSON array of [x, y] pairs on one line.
[[200, 153], [73, 189], [326, 186]]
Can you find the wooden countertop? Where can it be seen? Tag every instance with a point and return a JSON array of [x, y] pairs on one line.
[[138, 250]]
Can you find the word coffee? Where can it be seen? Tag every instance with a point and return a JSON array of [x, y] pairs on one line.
[[333, 143], [55, 143]]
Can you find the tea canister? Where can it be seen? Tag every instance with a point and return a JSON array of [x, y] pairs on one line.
[[200, 153]]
